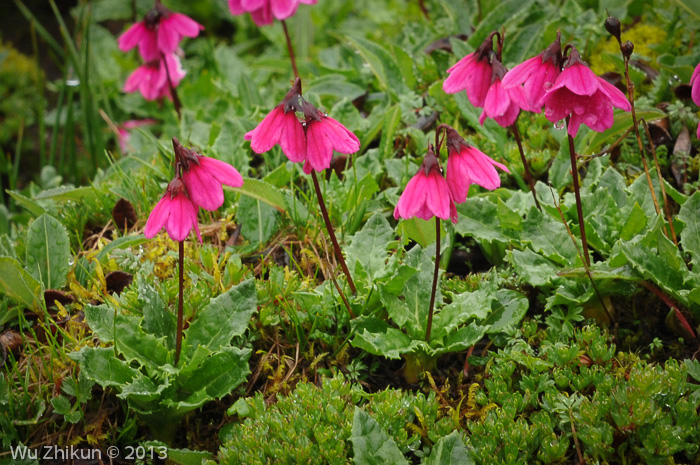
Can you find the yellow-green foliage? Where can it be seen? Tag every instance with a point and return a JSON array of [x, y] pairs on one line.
[[18, 96], [641, 35]]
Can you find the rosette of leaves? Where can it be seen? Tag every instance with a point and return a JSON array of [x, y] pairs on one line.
[[139, 363], [394, 324]]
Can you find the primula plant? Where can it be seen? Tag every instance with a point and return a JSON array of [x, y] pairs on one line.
[[300, 231]]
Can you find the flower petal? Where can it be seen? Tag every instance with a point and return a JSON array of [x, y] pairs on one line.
[[292, 138], [319, 148], [222, 171], [267, 133], [204, 189], [158, 217]]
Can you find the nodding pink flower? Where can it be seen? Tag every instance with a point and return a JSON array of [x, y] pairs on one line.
[[583, 97], [427, 194], [501, 104], [175, 212], [536, 75], [151, 79], [695, 83], [281, 126], [204, 176], [324, 135], [468, 165], [124, 131], [264, 11], [472, 74], [159, 33]]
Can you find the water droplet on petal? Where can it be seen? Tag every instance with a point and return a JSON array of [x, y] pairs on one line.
[[559, 124], [548, 86]]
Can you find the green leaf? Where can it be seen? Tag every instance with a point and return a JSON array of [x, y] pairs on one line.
[[464, 307], [533, 268], [693, 367], [259, 221], [371, 444], [595, 141], [690, 236], [507, 309], [223, 318], [335, 85], [179, 456], [392, 119], [101, 365], [120, 243], [382, 63], [19, 284], [507, 12], [215, 377], [691, 6], [31, 206], [131, 341], [48, 251], [265, 192], [378, 338], [449, 450], [368, 247], [635, 223], [419, 230], [66, 193], [157, 321], [461, 339]]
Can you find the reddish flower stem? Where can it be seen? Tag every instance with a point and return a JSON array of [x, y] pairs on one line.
[[173, 90], [577, 193], [290, 48], [181, 281], [329, 227], [526, 165], [435, 280]]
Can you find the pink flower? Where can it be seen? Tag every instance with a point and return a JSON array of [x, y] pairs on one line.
[[473, 74], [323, 136], [695, 83], [263, 11], [151, 78], [124, 131], [536, 75], [159, 33], [583, 97], [204, 176], [427, 194], [281, 126], [175, 212], [468, 165], [501, 104]]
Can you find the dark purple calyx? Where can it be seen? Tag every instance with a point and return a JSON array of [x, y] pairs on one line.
[[484, 51], [574, 57], [553, 52], [184, 156], [154, 17], [430, 162], [176, 187], [311, 113], [497, 70], [454, 141], [291, 101]]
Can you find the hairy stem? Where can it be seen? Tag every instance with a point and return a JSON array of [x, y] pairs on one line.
[[435, 280], [526, 165], [181, 282], [290, 49], [329, 227], [173, 90], [577, 193]]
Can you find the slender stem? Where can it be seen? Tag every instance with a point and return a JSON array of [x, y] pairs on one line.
[[290, 49], [329, 227], [577, 193], [435, 280], [181, 281], [173, 90], [526, 165]]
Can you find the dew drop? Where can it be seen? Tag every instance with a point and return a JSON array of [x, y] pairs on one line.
[[559, 124], [548, 86], [71, 261]]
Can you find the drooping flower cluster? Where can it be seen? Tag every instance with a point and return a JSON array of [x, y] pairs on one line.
[[695, 90], [567, 88], [158, 38], [311, 140], [264, 12], [197, 183], [480, 75], [430, 194]]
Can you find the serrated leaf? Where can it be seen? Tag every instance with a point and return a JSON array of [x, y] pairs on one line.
[[48, 251], [19, 284], [449, 450], [368, 247], [635, 223], [371, 444], [215, 377], [690, 236], [378, 338], [101, 365], [462, 339], [225, 317], [507, 309], [533, 268]]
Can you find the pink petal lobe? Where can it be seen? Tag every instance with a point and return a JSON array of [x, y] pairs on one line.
[[236, 7], [292, 138], [579, 79], [319, 149], [267, 133], [343, 140], [131, 37], [205, 191], [457, 177], [459, 74], [180, 221], [520, 73], [615, 95], [158, 217], [283, 9], [438, 196], [221, 171], [184, 25]]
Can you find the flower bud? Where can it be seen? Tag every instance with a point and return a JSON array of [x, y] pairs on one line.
[[627, 48], [612, 25]]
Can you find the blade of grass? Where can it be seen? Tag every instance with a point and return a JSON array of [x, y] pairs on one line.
[[40, 107], [40, 29]]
